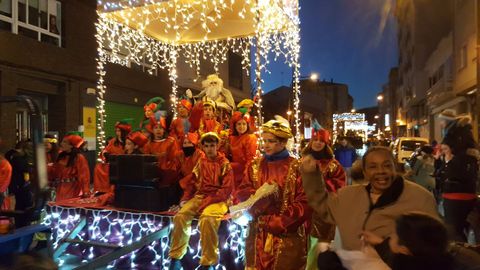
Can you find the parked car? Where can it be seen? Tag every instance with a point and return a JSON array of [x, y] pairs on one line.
[[403, 147]]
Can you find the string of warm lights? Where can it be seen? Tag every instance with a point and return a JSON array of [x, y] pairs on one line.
[[124, 228], [125, 40], [101, 89]]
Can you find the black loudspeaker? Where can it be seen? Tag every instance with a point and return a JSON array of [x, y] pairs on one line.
[[134, 170], [142, 198]]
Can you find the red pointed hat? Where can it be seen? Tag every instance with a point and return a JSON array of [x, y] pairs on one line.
[[125, 124], [158, 121], [74, 138], [237, 116], [321, 134], [138, 138], [185, 103], [192, 137]]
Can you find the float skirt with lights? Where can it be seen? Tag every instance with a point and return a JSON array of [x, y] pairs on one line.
[[112, 238]]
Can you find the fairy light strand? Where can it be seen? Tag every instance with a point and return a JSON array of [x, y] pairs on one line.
[[124, 228]]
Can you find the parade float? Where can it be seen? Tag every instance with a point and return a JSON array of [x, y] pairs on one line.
[[160, 33]]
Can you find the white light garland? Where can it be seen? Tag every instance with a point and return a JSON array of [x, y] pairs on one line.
[[124, 228]]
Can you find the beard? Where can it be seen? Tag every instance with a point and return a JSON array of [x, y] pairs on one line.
[[213, 92]]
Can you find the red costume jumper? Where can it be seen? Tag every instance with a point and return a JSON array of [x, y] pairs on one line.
[[5, 178], [212, 179], [277, 235], [186, 164], [71, 181], [243, 149], [177, 129], [334, 177], [210, 125], [101, 181], [165, 150]]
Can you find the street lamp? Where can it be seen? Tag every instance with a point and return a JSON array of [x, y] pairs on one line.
[[289, 112], [380, 97], [353, 111], [376, 116], [314, 76]]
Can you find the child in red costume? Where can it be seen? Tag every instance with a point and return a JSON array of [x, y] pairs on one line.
[[245, 106], [242, 145], [322, 233], [161, 145], [208, 122], [186, 159], [181, 125], [206, 192], [5, 178], [165, 148], [151, 107], [277, 237], [101, 181], [133, 143], [70, 173]]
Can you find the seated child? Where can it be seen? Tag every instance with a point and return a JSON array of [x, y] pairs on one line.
[[206, 192]]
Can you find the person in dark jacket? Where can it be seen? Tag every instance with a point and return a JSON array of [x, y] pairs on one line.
[[346, 154], [458, 179], [21, 160], [457, 130]]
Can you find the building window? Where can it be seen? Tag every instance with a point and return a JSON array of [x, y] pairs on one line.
[[36, 19], [463, 57], [235, 71]]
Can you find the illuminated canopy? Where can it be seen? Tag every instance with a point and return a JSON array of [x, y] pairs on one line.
[[158, 32]]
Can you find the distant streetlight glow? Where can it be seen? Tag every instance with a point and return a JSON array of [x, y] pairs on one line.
[[289, 112], [380, 97], [353, 111], [314, 76]]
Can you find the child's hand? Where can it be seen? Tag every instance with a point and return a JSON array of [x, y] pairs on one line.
[[371, 238], [309, 165]]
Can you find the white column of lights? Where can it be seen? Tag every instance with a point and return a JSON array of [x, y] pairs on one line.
[[101, 89], [172, 73]]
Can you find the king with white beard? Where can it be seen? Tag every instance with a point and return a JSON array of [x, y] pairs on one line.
[[213, 90]]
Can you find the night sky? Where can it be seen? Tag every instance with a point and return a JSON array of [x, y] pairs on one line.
[[344, 40]]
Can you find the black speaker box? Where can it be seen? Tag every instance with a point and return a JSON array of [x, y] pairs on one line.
[[133, 169], [141, 198]]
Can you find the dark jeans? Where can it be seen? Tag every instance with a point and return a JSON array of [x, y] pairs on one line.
[[456, 212]]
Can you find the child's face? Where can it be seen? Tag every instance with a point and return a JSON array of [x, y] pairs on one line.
[[317, 145], [129, 146], [187, 143], [48, 146], [118, 133], [208, 112], [397, 248], [241, 126], [158, 132], [66, 146], [182, 112], [210, 149]]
